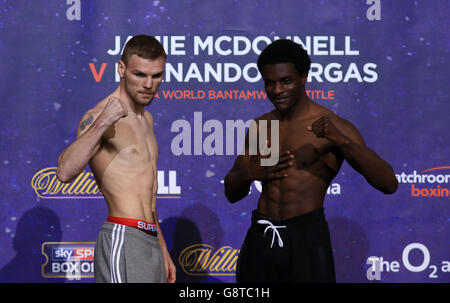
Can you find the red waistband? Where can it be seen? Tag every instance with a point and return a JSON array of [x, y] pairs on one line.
[[147, 227]]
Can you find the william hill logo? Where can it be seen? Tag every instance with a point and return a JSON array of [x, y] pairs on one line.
[[203, 259], [431, 182], [47, 186]]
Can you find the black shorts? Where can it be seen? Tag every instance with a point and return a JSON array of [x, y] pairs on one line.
[[287, 250]]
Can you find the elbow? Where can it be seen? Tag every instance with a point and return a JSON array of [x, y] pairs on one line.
[[229, 195], [62, 177], [230, 198], [391, 188], [60, 173], [233, 196], [236, 187], [229, 192]]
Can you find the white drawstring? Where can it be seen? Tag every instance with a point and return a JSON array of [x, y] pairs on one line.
[[274, 231]]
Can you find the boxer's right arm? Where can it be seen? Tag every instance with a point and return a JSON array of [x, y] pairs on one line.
[[247, 169], [93, 125], [76, 156], [237, 182]]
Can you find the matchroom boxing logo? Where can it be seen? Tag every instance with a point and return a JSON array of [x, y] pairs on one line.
[[431, 182]]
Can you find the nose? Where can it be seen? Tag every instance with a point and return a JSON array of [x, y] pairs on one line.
[[278, 88], [148, 83]]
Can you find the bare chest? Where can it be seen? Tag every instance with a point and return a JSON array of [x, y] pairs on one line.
[[306, 146], [132, 141], [294, 135]]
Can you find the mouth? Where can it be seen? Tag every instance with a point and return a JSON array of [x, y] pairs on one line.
[[280, 100], [148, 94]]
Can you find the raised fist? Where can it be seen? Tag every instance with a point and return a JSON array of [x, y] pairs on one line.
[[325, 128], [114, 111]]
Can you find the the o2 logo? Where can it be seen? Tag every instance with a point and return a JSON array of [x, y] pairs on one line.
[[379, 264]]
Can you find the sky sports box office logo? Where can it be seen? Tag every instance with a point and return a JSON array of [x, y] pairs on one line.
[[71, 260], [75, 260]]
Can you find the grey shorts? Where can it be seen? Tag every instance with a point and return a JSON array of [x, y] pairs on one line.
[[125, 254]]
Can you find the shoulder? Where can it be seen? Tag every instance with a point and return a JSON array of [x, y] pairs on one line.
[[149, 117], [341, 122], [347, 128], [267, 116], [148, 114], [321, 111], [343, 125]]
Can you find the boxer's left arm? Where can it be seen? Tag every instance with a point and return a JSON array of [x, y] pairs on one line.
[[168, 263], [363, 159]]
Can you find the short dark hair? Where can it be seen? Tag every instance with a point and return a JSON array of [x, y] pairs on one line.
[[144, 46], [285, 51]]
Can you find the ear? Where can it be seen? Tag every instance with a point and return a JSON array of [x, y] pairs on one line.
[[121, 67], [304, 78]]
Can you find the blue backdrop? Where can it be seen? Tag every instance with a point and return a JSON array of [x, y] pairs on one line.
[[381, 65]]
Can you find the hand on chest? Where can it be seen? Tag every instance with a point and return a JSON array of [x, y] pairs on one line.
[[305, 146]]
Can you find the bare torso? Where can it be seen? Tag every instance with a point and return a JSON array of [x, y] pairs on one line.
[[125, 166], [317, 163]]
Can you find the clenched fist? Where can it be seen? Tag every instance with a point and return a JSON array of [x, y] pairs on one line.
[[114, 111], [324, 128]]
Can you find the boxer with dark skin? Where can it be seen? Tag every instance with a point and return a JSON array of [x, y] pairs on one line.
[[313, 142]]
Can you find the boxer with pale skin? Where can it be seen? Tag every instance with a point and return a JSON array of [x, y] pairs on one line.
[[117, 139], [313, 143]]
